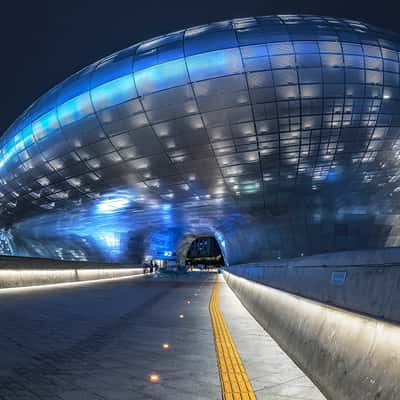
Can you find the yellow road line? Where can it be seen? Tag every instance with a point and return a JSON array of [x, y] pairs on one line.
[[235, 383]]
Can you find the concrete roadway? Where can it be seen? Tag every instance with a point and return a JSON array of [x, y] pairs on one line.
[[105, 340]]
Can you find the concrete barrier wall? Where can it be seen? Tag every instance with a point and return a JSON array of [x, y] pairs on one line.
[[385, 256], [350, 280], [24, 271], [348, 356], [15, 262]]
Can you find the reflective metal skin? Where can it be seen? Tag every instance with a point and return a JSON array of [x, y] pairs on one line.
[[280, 135]]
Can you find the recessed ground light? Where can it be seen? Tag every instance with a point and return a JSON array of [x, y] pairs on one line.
[[188, 302], [181, 316], [165, 346], [154, 378]]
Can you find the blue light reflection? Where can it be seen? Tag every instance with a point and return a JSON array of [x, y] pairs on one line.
[[155, 78], [161, 76], [114, 92]]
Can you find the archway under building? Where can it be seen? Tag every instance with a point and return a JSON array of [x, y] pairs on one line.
[[205, 252]]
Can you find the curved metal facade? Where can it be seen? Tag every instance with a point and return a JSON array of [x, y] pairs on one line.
[[285, 129]]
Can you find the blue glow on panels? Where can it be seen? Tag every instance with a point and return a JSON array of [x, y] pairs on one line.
[[9, 148], [158, 77], [332, 176], [115, 92], [26, 136], [163, 242], [220, 239], [111, 205], [75, 109], [111, 239], [214, 64], [45, 125], [162, 76], [12, 147]]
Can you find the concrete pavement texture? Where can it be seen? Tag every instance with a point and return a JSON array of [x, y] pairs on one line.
[[144, 338], [273, 374]]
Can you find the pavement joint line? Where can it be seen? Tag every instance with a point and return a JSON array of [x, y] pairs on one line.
[[235, 383]]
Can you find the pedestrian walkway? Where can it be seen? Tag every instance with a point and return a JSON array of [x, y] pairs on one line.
[[145, 338]]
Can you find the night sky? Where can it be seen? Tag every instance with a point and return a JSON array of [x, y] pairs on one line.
[[43, 42]]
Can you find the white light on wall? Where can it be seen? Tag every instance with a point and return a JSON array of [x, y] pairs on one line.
[[48, 279], [112, 204], [110, 238]]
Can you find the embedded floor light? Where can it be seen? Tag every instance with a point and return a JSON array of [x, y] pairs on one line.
[[154, 378]]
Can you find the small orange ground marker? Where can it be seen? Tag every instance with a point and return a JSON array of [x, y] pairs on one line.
[[154, 378]]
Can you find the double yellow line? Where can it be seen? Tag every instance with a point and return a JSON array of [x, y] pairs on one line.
[[235, 383]]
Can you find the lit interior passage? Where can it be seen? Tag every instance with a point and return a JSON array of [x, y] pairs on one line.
[[204, 252]]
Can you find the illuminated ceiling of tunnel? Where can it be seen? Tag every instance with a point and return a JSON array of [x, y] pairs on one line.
[[277, 123]]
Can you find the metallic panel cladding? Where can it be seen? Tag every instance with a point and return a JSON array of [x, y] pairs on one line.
[[286, 124]]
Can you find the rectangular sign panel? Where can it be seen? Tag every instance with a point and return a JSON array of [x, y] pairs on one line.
[[338, 277]]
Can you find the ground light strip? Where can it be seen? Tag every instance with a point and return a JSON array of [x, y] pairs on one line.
[[61, 285], [235, 383]]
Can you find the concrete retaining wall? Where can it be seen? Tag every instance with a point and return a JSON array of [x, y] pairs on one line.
[[348, 356], [15, 262], [385, 256], [364, 282], [24, 271]]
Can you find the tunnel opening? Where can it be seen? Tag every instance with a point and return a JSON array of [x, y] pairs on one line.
[[205, 252]]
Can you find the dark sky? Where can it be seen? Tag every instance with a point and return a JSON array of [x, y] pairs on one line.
[[45, 41]]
